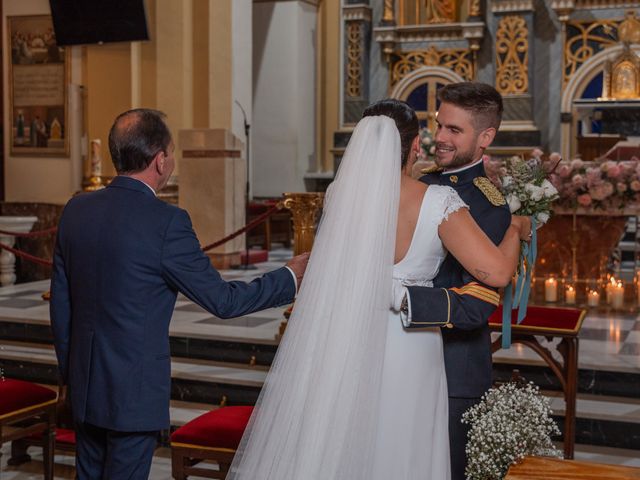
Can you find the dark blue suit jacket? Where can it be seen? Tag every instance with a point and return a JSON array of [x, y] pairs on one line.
[[121, 257], [467, 346]]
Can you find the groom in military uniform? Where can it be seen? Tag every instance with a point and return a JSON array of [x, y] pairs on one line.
[[467, 122]]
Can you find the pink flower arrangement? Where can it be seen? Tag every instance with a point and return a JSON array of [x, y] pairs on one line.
[[606, 186]]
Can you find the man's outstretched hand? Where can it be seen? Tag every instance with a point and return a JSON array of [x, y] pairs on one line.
[[298, 265]]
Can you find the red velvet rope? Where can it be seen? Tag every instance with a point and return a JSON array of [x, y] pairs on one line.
[[246, 228], [26, 256], [48, 263], [40, 233]]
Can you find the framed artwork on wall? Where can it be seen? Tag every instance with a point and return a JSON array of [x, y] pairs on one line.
[[38, 80]]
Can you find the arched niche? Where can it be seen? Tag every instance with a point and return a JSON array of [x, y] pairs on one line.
[[419, 89], [574, 89]]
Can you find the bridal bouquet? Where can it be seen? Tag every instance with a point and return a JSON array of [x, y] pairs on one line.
[[527, 189], [510, 422]]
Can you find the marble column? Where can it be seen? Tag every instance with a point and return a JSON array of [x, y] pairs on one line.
[[8, 259], [212, 189]]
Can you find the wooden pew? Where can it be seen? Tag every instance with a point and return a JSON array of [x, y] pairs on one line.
[[532, 468]]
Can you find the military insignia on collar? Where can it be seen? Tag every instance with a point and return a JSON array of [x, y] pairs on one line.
[[490, 191], [432, 169]]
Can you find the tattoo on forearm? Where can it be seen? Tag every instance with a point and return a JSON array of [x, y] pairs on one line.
[[482, 275]]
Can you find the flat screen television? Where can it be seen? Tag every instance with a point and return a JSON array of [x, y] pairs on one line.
[[78, 22]]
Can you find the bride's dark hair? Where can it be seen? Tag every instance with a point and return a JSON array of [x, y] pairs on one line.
[[405, 118]]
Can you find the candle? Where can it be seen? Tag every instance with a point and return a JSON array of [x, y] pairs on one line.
[[551, 290], [593, 298], [570, 295], [617, 295], [96, 157], [611, 283]]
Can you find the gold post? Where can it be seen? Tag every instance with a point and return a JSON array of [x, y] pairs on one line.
[[304, 209]]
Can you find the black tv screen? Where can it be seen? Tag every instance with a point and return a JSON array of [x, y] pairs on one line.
[[78, 22]]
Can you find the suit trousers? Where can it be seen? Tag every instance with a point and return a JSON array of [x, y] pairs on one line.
[[103, 454], [458, 435]]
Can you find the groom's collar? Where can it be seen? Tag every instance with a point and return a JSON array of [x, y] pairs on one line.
[[462, 175]]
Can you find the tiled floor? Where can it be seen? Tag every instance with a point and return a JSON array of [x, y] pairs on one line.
[[608, 341]]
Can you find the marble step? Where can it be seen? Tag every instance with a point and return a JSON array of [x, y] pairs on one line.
[[198, 385], [194, 380]]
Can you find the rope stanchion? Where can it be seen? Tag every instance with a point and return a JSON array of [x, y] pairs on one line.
[[26, 256], [246, 228], [49, 263], [41, 233]]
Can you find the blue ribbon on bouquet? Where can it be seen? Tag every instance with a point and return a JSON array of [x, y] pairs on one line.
[[520, 298]]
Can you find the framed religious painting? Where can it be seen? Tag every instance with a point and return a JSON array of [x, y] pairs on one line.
[[38, 79]]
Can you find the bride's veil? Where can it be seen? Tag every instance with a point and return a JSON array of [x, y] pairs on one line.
[[316, 414]]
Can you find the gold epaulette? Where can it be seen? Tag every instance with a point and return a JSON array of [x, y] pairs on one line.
[[431, 169], [490, 191]]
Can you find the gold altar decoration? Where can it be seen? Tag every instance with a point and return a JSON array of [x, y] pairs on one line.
[[512, 55], [354, 66], [629, 29], [425, 12], [94, 182], [440, 11], [584, 40], [474, 8], [389, 12], [460, 60], [304, 208], [622, 75]]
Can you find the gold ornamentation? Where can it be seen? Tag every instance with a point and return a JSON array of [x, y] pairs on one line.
[[585, 39], [621, 78], [453, 179], [460, 60], [440, 11], [431, 169], [490, 191], [354, 63], [304, 211], [388, 14], [512, 56], [474, 8], [629, 29]]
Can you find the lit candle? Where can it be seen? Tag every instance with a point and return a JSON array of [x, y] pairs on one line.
[[617, 295], [610, 286], [551, 290], [570, 295], [593, 298]]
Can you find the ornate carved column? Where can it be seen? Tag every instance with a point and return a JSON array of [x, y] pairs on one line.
[[357, 44], [514, 72], [304, 208]]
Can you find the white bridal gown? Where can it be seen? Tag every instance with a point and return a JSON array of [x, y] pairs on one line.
[[413, 438]]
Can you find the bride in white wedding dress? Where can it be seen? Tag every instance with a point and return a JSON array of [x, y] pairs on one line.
[[350, 394]]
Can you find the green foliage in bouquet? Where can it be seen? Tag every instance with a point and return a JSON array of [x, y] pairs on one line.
[[510, 422]]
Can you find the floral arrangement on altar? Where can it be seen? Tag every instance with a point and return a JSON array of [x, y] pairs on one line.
[[603, 186], [427, 144], [510, 422]]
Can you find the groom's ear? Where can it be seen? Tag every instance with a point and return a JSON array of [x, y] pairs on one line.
[[486, 137]]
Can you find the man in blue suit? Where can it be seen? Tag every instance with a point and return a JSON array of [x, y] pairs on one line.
[[121, 257], [468, 119]]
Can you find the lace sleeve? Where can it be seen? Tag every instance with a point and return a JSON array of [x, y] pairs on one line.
[[450, 203]]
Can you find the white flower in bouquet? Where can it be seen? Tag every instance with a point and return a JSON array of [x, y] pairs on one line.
[[514, 203], [507, 181], [510, 422], [542, 218], [535, 193], [549, 190]]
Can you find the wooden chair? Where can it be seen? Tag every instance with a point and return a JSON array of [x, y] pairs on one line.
[[213, 438], [27, 409], [65, 437]]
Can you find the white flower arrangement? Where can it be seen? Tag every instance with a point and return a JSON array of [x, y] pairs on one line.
[[428, 146], [527, 190], [510, 422]]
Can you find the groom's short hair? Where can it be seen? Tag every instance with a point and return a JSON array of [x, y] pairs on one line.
[[481, 99]]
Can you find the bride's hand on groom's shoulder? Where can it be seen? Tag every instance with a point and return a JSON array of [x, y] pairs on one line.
[[298, 265]]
